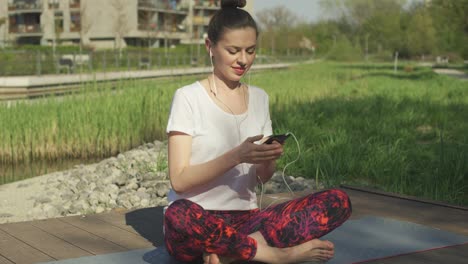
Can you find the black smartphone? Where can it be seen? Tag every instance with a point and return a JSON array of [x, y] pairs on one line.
[[280, 138]]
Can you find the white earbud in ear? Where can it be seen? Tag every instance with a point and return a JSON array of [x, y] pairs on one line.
[[211, 53]]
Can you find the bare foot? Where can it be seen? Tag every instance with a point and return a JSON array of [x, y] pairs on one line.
[[212, 258], [313, 250]]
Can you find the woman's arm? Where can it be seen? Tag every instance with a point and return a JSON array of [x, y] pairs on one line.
[[266, 169], [185, 177]]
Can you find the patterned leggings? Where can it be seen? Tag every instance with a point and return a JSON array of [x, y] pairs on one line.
[[191, 231]]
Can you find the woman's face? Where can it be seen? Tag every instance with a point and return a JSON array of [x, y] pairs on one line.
[[234, 53]]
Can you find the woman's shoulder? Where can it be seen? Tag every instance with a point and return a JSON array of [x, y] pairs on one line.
[[190, 88], [255, 90]]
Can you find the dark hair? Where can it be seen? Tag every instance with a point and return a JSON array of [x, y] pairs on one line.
[[230, 16]]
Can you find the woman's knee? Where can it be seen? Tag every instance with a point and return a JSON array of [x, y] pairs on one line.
[[177, 212], [342, 200]]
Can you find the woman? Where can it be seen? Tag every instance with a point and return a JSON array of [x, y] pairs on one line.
[[215, 162]]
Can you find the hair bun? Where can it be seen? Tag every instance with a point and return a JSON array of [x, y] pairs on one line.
[[233, 3]]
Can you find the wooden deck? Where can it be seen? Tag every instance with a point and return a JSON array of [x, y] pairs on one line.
[[120, 230]]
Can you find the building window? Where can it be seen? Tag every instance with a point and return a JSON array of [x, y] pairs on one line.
[[24, 4], [75, 25], [58, 19], [53, 4], [74, 3]]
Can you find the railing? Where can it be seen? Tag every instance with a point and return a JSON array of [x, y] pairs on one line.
[[23, 28], [75, 28], [175, 5], [207, 3], [16, 63], [201, 20], [25, 5], [153, 28], [158, 29]]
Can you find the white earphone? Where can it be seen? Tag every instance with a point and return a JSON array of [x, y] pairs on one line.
[[215, 91]]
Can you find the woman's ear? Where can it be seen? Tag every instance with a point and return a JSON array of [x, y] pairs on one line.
[[208, 47]]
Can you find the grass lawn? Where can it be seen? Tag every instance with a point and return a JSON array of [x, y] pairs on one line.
[[360, 124]]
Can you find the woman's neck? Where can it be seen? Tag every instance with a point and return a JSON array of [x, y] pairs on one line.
[[222, 83]]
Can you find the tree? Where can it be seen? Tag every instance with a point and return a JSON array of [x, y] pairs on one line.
[[120, 23], [451, 25], [86, 22], [3, 22], [276, 22], [146, 22], [325, 34], [421, 34], [359, 11], [374, 24]]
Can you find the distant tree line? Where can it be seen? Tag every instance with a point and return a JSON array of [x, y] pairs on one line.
[[418, 29]]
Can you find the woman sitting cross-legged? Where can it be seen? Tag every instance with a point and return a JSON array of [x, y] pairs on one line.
[[216, 161]]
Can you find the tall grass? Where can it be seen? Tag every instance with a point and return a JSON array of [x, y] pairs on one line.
[[361, 124], [103, 120]]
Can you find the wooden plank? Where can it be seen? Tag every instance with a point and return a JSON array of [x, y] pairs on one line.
[[78, 237], [114, 234], [20, 252], [4, 260], [115, 218], [43, 241]]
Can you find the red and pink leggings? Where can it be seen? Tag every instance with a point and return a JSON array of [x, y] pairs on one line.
[[191, 230]]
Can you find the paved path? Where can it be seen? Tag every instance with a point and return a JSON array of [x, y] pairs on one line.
[[16, 87], [452, 72]]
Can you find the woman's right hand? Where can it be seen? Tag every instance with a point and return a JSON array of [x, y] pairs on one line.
[[249, 152]]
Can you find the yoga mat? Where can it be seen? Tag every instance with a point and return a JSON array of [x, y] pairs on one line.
[[364, 239], [371, 238]]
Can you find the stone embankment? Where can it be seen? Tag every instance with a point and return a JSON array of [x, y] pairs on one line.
[[134, 179]]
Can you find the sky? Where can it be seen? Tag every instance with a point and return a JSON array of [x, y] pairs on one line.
[[309, 10]]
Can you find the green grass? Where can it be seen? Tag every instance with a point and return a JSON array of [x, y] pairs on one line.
[[365, 125], [360, 124]]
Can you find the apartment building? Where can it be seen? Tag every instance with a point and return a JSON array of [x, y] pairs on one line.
[[105, 23]]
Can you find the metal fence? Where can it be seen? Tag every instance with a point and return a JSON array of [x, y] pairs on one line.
[[20, 63]]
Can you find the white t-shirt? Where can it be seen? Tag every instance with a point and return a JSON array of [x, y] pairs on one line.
[[214, 132]]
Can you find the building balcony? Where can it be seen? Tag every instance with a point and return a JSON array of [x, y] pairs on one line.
[[201, 21], [24, 29], [153, 28], [173, 6], [147, 34], [28, 6], [75, 28], [206, 4]]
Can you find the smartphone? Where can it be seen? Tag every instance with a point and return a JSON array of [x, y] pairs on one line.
[[279, 138]]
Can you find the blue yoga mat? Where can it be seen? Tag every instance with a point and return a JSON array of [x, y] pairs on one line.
[[358, 240], [374, 238]]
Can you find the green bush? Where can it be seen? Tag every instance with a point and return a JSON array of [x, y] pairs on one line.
[[344, 50]]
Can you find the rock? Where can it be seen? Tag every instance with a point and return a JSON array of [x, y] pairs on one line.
[[129, 181], [143, 203], [99, 209], [50, 211], [162, 188]]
